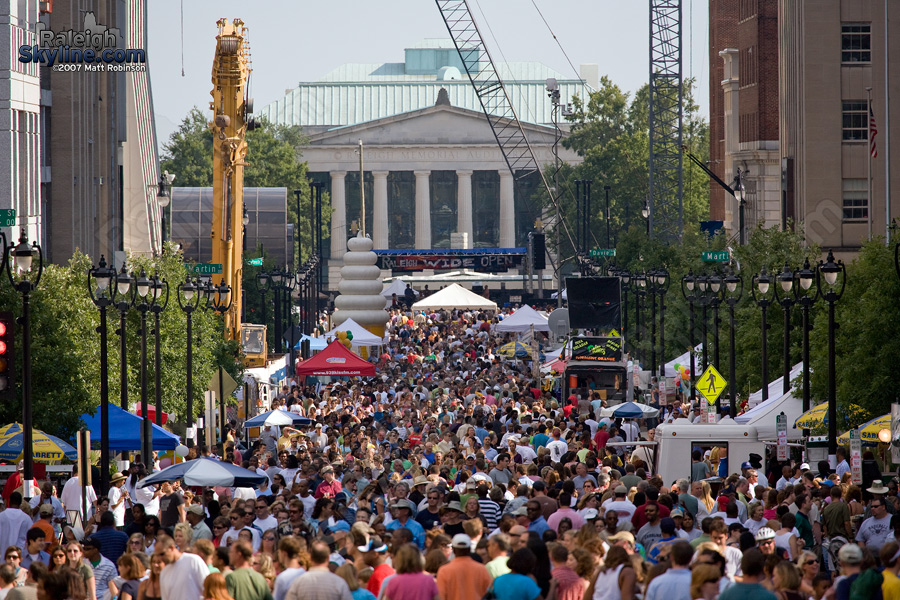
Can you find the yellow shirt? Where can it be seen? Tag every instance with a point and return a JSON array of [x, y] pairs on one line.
[[890, 587]]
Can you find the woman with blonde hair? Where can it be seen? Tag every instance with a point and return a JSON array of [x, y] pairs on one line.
[[135, 543], [75, 561], [707, 499], [786, 581], [149, 588], [265, 566], [616, 579], [809, 568], [214, 587], [705, 582], [131, 569], [182, 536]]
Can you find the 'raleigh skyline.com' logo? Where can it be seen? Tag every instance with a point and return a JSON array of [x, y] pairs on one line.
[[94, 48]]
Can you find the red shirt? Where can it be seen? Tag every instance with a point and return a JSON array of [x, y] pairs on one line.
[[600, 439], [379, 574], [638, 519], [328, 490]]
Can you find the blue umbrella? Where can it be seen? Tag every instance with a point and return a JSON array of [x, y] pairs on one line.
[[44, 446], [204, 472], [277, 417], [315, 343], [630, 410]]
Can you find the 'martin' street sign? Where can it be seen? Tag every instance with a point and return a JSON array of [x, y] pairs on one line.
[[206, 269], [711, 384], [715, 256], [602, 253], [7, 217]]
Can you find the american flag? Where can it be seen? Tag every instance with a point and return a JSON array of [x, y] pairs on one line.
[[873, 131]]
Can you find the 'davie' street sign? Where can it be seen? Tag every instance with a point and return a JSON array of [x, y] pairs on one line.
[[602, 252], [206, 269], [7, 217], [254, 262], [715, 256]]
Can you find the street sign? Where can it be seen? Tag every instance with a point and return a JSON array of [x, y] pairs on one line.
[[715, 256], [855, 457], [711, 384], [602, 252], [254, 262], [7, 217], [781, 436], [228, 383], [206, 269], [292, 335]]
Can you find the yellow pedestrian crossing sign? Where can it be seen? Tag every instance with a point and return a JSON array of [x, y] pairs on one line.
[[711, 384]]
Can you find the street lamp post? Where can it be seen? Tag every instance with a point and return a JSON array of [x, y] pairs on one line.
[[651, 292], [219, 299], [787, 298], [831, 293], [262, 285], [734, 289], [625, 276], [188, 301], [703, 297], [163, 198], [715, 298], [124, 298], [102, 289], [688, 283], [739, 196], [662, 286], [645, 212], [639, 283], [19, 271], [159, 285], [144, 288], [275, 278], [762, 283], [805, 276]]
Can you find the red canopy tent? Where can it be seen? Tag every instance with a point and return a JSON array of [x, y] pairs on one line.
[[151, 412], [337, 361]]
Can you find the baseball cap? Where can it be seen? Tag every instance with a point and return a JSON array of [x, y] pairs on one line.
[[804, 466], [620, 490], [520, 512], [46, 509], [375, 545], [676, 512], [195, 509], [622, 535], [461, 540], [850, 554], [746, 465], [591, 513], [92, 542]]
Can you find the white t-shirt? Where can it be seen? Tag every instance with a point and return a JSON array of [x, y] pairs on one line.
[[145, 496], [623, 507], [874, 533], [269, 522], [183, 579], [527, 453], [119, 511], [71, 496], [557, 448]]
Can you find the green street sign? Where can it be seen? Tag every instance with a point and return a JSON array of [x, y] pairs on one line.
[[602, 252], [255, 262], [7, 217], [715, 256], [205, 269]]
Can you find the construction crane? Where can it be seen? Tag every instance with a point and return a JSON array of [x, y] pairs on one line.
[[231, 108]]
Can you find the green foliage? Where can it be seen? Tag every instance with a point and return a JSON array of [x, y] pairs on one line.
[[66, 348], [188, 153]]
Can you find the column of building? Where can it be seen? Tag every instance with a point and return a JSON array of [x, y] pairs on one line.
[[423, 210], [339, 215], [507, 210], [380, 211], [464, 206]]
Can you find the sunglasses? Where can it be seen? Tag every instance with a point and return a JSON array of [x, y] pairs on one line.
[[13, 557], [811, 561]]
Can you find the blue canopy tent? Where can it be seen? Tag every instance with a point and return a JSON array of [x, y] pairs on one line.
[[125, 431], [315, 343]]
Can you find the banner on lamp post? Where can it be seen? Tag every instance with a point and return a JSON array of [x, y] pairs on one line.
[[855, 457], [781, 437]]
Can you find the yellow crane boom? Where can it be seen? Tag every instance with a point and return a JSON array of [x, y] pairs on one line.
[[231, 107]]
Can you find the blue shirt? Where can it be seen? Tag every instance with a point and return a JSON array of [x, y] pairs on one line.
[[674, 584], [112, 542], [539, 525], [539, 440], [418, 532], [513, 586]]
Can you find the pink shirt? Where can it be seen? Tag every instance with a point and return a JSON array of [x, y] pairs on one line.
[[410, 586], [562, 513]]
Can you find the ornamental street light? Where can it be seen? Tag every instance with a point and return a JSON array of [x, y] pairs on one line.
[[145, 300], [102, 289], [275, 278], [831, 292], [188, 300], [806, 299], [639, 281], [702, 282], [787, 297], [734, 289], [761, 283], [262, 285], [164, 198], [124, 299], [160, 287], [24, 276], [715, 298], [625, 276], [662, 286], [219, 299], [688, 284]]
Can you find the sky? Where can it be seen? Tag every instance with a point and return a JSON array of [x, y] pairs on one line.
[[303, 40]]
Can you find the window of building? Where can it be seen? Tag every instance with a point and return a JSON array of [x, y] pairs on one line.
[[856, 42], [353, 198], [855, 200], [443, 207], [486, 209], [855, 121], [401, 209], [527, 205]]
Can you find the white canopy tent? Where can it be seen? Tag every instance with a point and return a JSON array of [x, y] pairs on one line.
[[684, 360], [776, 388], [521, 321], [762, 416], [454, 296], [398, 286], [361, 335]]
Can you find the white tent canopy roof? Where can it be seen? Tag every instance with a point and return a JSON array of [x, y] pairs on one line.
[[454, 296], [776, 388], [398, 286], [361, 335], [522, 320], [762, 416], [684, 360]]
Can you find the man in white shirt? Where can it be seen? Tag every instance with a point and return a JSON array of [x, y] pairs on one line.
[[557, 447], [264, 520], [524, 449], [14, 523], [620, 504], [71, 494], [183, 578]]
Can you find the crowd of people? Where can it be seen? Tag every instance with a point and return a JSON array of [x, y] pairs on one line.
[[451, 476]]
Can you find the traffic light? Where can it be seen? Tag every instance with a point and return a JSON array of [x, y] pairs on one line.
[[538, 251], [7, 336]]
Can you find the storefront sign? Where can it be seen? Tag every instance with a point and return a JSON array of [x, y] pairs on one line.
[[484, 263], [600, 349]]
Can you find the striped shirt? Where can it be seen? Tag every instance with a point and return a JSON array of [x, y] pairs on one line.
[[490, 510]]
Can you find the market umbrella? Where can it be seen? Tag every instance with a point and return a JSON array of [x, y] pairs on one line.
[[47, 448], [630, 410], [277, 417], [204, 472], [514, 350], [868, 432], [814, 417]]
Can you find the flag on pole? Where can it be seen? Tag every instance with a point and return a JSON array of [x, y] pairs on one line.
[[873, 131]]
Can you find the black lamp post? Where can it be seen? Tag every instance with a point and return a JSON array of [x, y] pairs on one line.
[[688, 283], [639, 282], [275, 279], [219, 299], [625, 276], [288, 283], [145, 300], [805, 277], [715, 299], [102, 289], [262, 285], [651, 292], [831, 270], [159, 287], [124, 299], [703, 298], [164, 198], [734, 289], [762, 283], [645, 212], [739, 196], [662, 286], [787, 298], [188, 301], [25, 275]]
